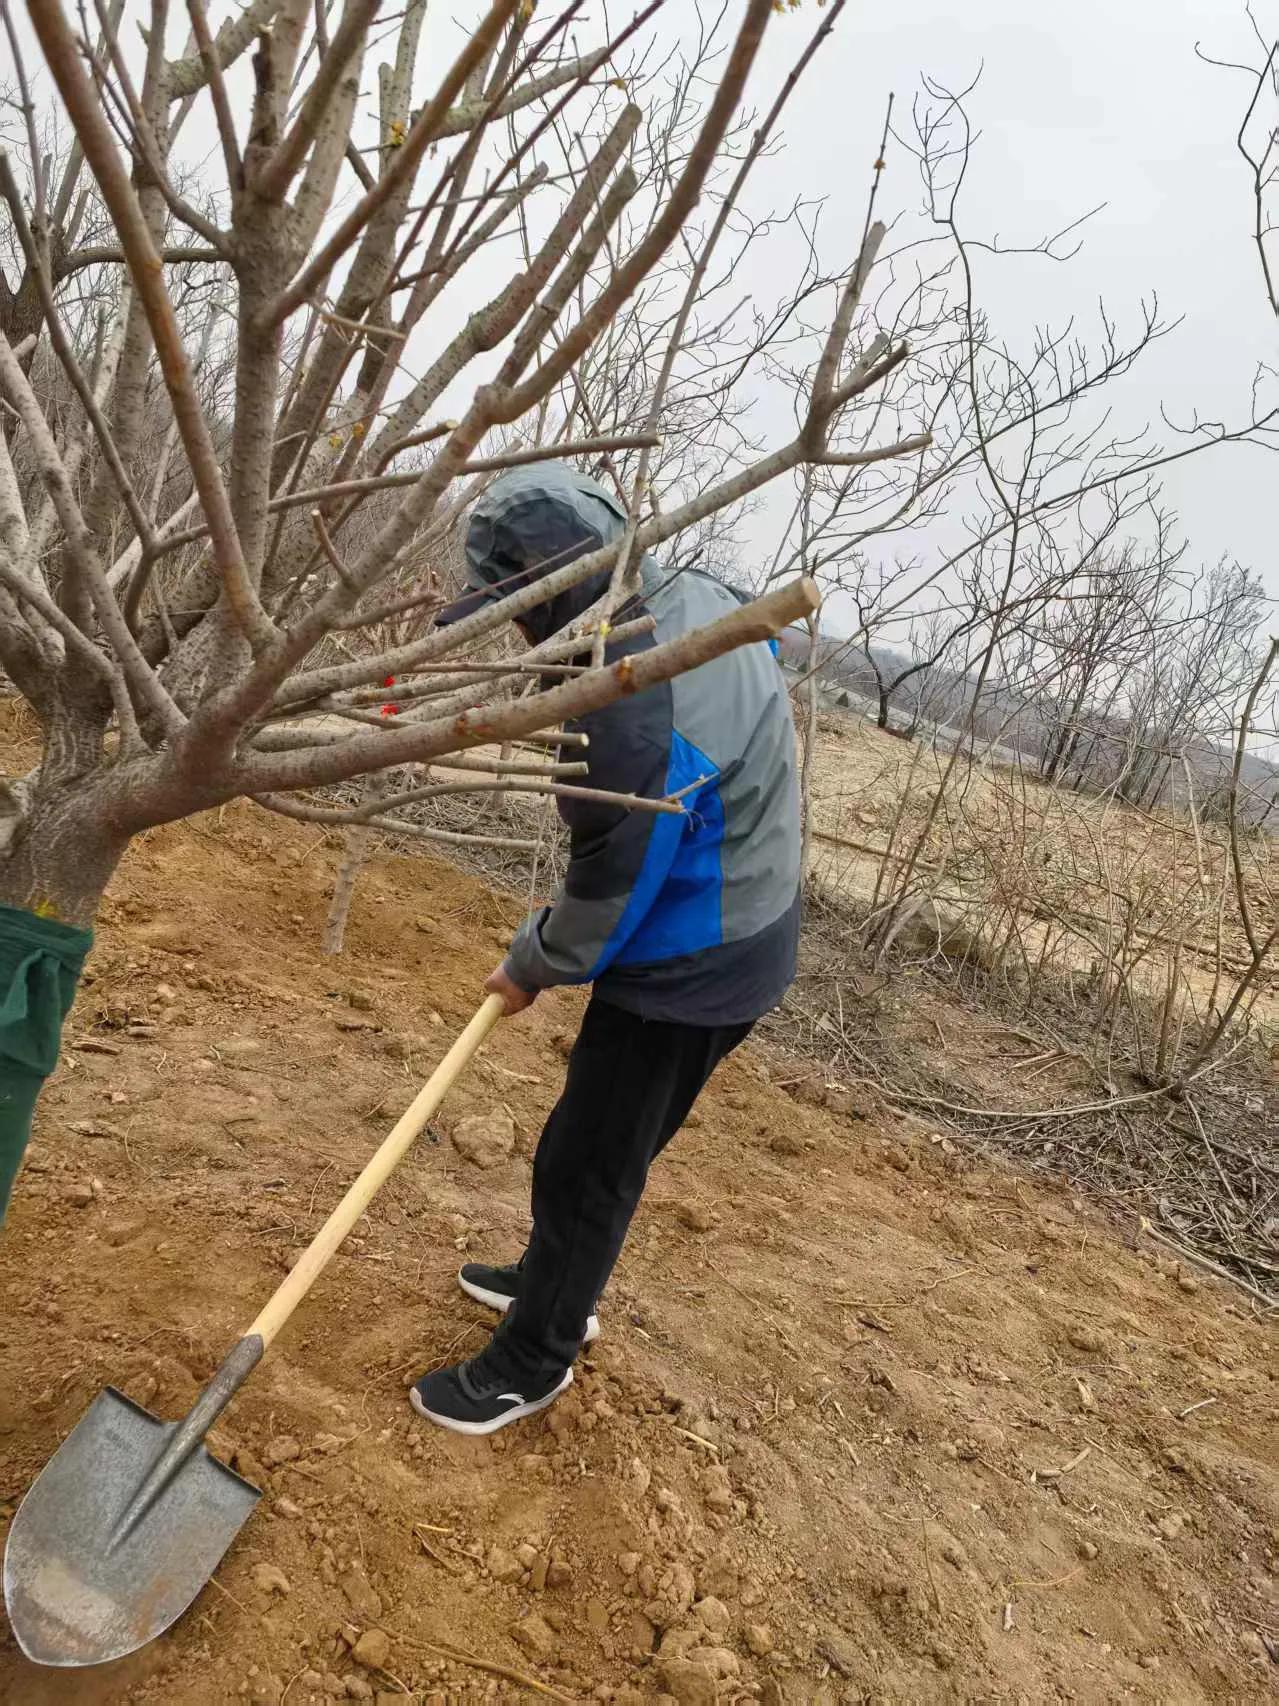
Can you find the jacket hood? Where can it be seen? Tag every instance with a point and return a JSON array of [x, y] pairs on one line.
[[532, 521]]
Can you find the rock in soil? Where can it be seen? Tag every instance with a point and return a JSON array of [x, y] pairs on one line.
[[687, 1683], [840, 1653], [1086, 1339], [485, 1140], [503, 1566], [694, 1216], [263, 1689], [362, 1598], [714, 1614], [268, 1579], [373, 1649], [535, 1635]]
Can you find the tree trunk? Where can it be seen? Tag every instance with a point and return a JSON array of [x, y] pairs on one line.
[[359, 843], [58, 857], [881, 716]]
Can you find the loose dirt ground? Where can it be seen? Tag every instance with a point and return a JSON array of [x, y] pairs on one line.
[[870, 1420]]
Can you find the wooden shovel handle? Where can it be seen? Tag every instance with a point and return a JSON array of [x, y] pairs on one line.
[[383, 1163]]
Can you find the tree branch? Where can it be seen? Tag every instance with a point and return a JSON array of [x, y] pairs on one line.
[[86, 115]]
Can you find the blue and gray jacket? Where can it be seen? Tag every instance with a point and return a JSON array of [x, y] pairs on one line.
[[691, 918]]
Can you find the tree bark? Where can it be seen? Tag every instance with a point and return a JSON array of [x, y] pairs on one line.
[[60, 855]]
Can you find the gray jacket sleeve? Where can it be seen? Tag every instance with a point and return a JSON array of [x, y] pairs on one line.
[[618, 859]]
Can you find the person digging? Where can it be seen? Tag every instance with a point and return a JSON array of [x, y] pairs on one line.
[[686, 926]]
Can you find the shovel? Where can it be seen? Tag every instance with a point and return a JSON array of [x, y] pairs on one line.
[[131, 1515]]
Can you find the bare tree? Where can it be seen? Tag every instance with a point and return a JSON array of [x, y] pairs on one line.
[[1258, 144], [1022, 455], [173, 668]]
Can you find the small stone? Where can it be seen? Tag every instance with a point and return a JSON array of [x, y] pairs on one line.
[[283, 1450], [79, 1196], [558, 1574], [118, 1232], [362, 1599], [759, 1639], [597, 1616], [720, 1661], [373, 1649], [165, 992], [688, 1684], [358, 1689], [485, 1140], [718, 1489], [694, 1216], [840, 1653], [268, 1579], [245, 1463], [1170, 1526], [786, 1143], [1087, 1550], [527, 1555], [628, 1563], [713, 1614], [1149, 1661], [237, 1048], [503, 1566], [1086, 1339], [673, 1596], [538, 1573], [640, 1476], [286, 1507], [536, 1637], [1188, 1284]]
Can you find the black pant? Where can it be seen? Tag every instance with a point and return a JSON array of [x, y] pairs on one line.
[[630, 1085]]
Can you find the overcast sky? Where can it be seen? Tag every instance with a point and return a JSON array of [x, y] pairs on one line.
[[1095, 100], [1092, 101]]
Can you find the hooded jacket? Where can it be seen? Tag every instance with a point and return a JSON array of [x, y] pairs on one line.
[[691, 918]]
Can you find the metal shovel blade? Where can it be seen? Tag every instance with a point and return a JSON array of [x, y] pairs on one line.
[[81, 1585]]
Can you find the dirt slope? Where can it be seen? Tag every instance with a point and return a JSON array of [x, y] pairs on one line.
[[905, 1426]]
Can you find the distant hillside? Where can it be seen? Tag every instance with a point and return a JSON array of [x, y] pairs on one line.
[[931, 702]]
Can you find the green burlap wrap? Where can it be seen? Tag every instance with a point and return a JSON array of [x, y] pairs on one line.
[[40, 965]]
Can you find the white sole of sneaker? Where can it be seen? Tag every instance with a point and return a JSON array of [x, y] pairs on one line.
[[495, 1300], [515, 1414]]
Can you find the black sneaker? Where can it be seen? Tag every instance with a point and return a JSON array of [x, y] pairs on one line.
[[497, 1288], [480, 1396]]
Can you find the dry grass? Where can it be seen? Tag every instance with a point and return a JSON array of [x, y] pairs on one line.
[[1082, 897]]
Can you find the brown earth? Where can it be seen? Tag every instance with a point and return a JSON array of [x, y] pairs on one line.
[[870, 1419]]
